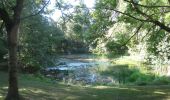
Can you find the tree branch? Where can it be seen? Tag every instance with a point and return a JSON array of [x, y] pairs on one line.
[[150, 19], [127, 14], [37, 13], [147, 6], [17, 10], [139, 27], [62, 13], [148, 32]]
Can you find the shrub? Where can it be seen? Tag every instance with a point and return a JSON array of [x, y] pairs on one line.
[[115, 48], [161, 81], [30, 69], [139, 78], [134, 76]]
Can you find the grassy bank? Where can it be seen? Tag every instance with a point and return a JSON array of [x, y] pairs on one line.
[[33, 88]]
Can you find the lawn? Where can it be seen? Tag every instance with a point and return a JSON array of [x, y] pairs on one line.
[[33, 88]]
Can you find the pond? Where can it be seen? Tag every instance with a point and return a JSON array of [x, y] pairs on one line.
[[79, 69], [90, 69]]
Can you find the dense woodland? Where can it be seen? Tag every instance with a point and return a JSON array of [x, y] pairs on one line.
[[132, 34]]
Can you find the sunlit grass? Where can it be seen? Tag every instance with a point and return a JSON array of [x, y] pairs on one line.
[[133, 62], [128, 60]]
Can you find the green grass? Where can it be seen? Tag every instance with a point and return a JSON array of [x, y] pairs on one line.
[[32, 88]]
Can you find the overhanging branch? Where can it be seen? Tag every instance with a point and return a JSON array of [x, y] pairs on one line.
[[150, 19], [37, 13], [137, 31], [148, 31], [127, 14], [147, 6], [17, 10]]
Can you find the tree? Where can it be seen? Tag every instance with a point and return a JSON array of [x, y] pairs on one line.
[[148, 16], [10, 14], [38, 53], [12, 26], [145, 11]]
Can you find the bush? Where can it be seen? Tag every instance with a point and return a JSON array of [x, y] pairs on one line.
[[30, 69], [139, 78], [161, 81], [134, 76], [116, 48]]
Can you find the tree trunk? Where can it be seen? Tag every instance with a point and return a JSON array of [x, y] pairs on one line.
[[13, 93], [12, 26]]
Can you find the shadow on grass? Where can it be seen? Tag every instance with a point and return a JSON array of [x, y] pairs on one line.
[[98, 93], [36, 90]]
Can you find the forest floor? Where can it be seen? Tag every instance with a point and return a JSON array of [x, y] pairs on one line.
[[34, 88]]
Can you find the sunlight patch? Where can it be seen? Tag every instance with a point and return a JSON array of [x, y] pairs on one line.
[[102, 87], [94, 95], [71, 98], [158, 92], [135, 90], [121, 88], [106, 87], [37, 91], [1, 97], [5, 87], [23, 89]]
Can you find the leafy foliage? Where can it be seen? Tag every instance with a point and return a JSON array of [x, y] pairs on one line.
[[39, 42]]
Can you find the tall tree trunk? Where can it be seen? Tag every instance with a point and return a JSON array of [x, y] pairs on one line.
[[13, 93], [12, 26]]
